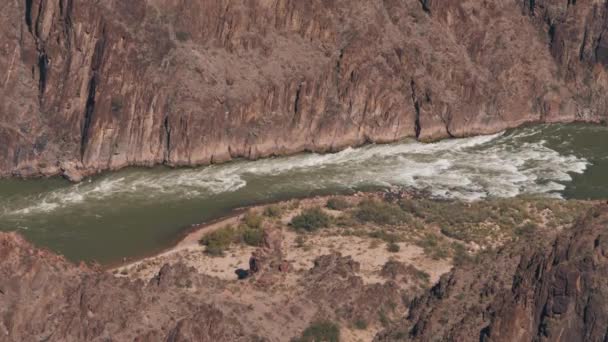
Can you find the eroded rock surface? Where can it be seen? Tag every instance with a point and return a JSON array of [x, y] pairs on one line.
[[44, 298], [522, 293], [94, 85]]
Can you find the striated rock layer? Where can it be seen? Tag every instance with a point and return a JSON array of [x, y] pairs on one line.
[[522, 293], [87, 86]]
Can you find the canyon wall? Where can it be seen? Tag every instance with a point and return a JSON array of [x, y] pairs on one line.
[[87, 86]]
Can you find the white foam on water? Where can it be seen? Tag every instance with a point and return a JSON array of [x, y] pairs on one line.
[[470, 169]]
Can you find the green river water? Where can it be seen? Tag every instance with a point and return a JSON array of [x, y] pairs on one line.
[[139, 211]]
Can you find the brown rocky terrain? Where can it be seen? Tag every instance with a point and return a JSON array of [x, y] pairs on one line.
[[87, 86], [544, 283], [525, 292]]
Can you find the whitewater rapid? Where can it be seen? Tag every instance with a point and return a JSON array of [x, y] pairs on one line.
[[499, 165]]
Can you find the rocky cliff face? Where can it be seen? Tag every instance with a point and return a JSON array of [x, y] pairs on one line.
[[89, 86], [522, 293], [44, 298]]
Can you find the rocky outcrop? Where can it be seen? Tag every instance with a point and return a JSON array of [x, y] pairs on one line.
[[552, 293], [89, 86], [334, 283], [44, 298]]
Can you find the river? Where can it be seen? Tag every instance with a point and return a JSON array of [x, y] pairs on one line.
[[138, 211]]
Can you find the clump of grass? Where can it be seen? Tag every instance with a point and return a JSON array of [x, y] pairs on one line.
[[461, 256], [253, 220], [273, 211], [218, 241], [393, 247], [384, 236], [422, 276], [311, 220], [433, 246], [253, 237], [526, 230], [383, 318], [321, 331], [381, 213], [361, 324], [337, 203]]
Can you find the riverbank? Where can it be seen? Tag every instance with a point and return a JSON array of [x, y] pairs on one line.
[[432, 233], [76, 172], [143, 211]]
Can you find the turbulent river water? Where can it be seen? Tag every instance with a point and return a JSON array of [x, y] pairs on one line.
[[139, 211]]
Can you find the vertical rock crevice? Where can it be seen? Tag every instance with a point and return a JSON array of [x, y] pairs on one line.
[[43, 64], [417, 127], [167, 130], [28, 15], [89, 110], [88, 114], [426, 6], [296, 103]]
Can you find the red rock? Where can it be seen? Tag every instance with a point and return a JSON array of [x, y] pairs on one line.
[[96, 85]]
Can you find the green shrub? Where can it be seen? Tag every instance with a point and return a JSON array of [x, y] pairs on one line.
[[434, 246], [361, 324], [337, 203], [215, 249], [383, 318], [461, 256], [527, 229], [423, 276], [381, 213], [384, 236], [457, 233], [253, 237], [182, 36], [218, 241], [321, 331], [311, 220], [393, 247], [273, 211], [253, 220]]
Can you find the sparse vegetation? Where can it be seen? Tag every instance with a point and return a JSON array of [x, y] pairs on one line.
[[300, 241], [311, 220], [250, 233], [383, 318], [433, 246], [384, 236], [273, 211], [361, 324], [218, 241], [381, 213], [253, 237], [461, 256], [393, 247], [322, 331], [182, 36], [337, 203], [253, 220], [345, 220], [526, 230]]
